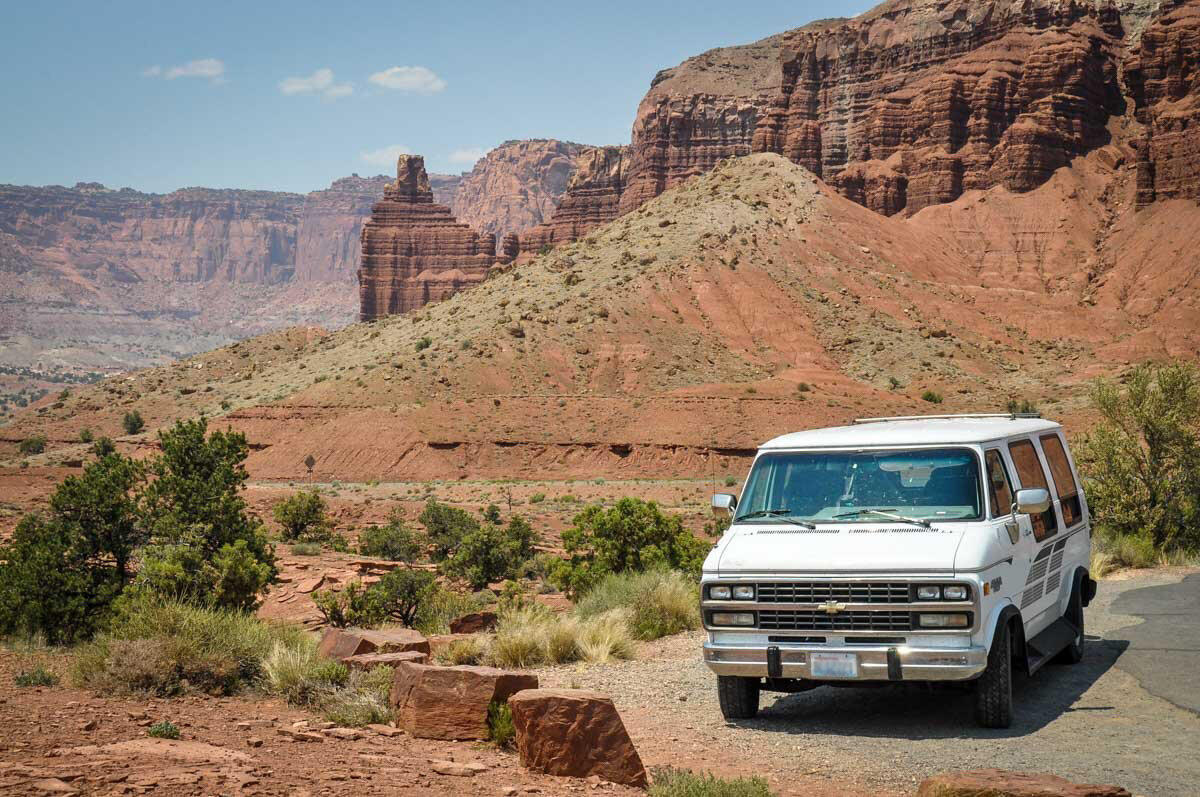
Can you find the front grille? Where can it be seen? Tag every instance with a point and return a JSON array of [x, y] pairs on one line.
[[841, 591], [817, 620]]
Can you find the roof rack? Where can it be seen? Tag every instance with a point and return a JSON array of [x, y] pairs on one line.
[[1010, 415]]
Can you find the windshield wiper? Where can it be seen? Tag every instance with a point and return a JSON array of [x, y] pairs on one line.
[[782, 514], [886, 513]]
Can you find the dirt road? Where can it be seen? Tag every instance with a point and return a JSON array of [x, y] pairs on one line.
[[1090, 722]]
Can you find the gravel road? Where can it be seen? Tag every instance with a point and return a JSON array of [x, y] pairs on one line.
[[1091, 722]]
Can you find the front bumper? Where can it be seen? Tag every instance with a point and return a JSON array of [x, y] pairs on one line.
[[875, 662]]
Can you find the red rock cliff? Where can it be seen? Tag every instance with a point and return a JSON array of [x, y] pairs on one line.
[[413, 250], [592, 198]]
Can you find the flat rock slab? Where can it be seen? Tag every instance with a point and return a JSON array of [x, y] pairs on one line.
[[340, 644], [173, 749], [575, 733], [369, 661], [432, 702], [1002, 783]]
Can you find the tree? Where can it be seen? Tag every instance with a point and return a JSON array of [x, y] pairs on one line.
[[400, 593], [394, 541], [303, 517], [491, 553], [133, 422], [632, 535], [446, 527], [200, 530], [1141, 464]]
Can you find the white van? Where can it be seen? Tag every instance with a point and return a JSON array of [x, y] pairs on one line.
[[942, 548]]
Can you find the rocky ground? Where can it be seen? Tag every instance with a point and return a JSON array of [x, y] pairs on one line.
[[823, 743]]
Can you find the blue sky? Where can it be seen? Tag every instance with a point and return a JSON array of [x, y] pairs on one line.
[[289, 96]]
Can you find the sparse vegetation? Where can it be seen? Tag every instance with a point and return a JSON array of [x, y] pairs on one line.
[[472, 650], [303, 517], [669, 782], [537, 498], [1023, 406], [394, 541], [490, 552], [133, 423], [164, 729], [32, 445], [294, 671], [306, 549], [362, 700], [534, 635], [1141, 464], [86, 435], [932, 396], [446, 526], [658, 602], [424, 343], [500, 725], [38, 676]]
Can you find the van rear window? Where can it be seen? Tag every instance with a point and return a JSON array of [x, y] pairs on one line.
[[1029, 471], [1064, 479]]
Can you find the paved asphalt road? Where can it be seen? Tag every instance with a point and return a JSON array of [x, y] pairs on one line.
[[1164, 650]]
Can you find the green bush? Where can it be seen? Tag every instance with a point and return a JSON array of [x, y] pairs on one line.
[[444, 605], [394, 541], [165, 647], [294, 671], [32, 445], [133, 422], [491, 553], [103, 447], [362, 701], [38, 676], [86, 435], [446, 527], [669, 782], [472, 650], [1141, 463], [537, 498], [500, 725], [163, 730], [932, 396], [1112, 552], [400, 594], [1022, 406], [303, 517], [424, 343], [306, 549], [659, 602], [352, 606], [533, 635], [633, 535]]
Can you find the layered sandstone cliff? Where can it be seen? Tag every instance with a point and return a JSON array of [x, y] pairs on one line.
[[592, 198], [515, 186], [413, 250]]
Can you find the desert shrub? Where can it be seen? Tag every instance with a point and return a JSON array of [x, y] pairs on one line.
[[659, 602], [38, 676], [446, 526], [353, 606], [1141, 463], [163, 730], [32, 445], [730, 481], [296, 673], [443, 605], [490, 552], [472, 650], [86, 435], [1022, 406], [605, 637], [166, 647], [500, 725], [303, 517], [103, 447], [534, 635], [354, 706], [632, 535], [133, 422], [306, 549], [204, 545], [394, 541], [424, 343], [1111, 551], [401, 593], [932, 396], [670, 782], [717, 526], [539, 566], [537, 498]]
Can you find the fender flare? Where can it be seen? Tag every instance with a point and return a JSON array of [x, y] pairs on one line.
[[1003, 613]]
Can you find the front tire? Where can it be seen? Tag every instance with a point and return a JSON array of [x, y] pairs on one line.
[[738, 696], [1073, 653], [993, 690]]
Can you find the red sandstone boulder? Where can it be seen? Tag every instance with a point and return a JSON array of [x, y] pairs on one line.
[[473, 623], [342, 643], [451, 702], [1001, 783], [575, 733], [369, 661]]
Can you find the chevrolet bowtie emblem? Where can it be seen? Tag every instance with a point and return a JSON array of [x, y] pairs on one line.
[[832, 607]]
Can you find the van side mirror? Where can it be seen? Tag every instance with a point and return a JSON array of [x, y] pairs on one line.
[[724, 504], [1032, 501]]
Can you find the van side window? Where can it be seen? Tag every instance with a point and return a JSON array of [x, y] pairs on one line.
[[1029, 471], [999, 487], [1064, 479]]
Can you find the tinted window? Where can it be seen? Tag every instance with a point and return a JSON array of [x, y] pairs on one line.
[[998, 484], [1064, 479], [1030, 473]]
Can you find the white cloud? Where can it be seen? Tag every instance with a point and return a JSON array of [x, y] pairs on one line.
[[386, 156], [467, 156], [152, 71], [319, 82], [413, 79], [204, 67]]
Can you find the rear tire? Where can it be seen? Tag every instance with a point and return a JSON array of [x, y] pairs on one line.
[[1073, 653], [993, 689], [738, 696]]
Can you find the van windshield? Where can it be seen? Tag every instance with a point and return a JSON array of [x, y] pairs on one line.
[[844, 487]]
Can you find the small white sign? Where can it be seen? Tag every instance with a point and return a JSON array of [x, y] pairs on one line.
[[834, 665]]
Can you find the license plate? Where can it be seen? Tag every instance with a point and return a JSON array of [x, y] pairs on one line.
[[833, 665]]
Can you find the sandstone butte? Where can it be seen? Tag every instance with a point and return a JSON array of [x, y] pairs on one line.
[[918, 101], [413, 249]]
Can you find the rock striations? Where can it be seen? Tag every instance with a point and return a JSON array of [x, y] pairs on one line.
[[592, 198], [413, 250]]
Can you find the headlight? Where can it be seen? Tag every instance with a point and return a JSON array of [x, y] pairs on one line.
[[718, 593], [929, 592], [955, 593], [732, 618], [942, 620], [743, 592]]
